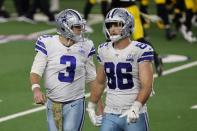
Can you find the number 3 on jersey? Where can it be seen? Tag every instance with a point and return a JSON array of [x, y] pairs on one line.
[[70, 69], [119, 75]]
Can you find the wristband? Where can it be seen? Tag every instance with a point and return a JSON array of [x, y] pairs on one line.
[[34, 86], [138, 104], [91, 105]]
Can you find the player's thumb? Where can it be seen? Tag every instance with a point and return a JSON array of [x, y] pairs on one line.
[[123, 115]]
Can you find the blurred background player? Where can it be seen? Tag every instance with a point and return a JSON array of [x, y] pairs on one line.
[[44, 7], [138, 33], [184, 11], [163, 13], [88, 7], [54, 6], [194, 19], [4, 15], [144, 9], [22, 7]]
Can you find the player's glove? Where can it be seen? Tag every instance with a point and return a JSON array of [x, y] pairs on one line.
[[96, 120], [133, 113], [99, 119]]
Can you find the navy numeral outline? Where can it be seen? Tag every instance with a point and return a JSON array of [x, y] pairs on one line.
[[141, 45]]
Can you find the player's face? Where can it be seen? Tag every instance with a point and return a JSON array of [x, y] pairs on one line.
[[77, 29], [114, 28]]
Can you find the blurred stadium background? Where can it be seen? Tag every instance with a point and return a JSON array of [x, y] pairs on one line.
[[172, 108]]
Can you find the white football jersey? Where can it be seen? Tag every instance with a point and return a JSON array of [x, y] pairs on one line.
[[65, 69], [122, 73]]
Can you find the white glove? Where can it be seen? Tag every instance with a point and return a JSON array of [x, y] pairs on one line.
[[96, 120], [99, 120], [133, 113]]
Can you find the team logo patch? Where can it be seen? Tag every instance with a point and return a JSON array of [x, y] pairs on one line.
[[130, 58], [8, 38], [82, 52]]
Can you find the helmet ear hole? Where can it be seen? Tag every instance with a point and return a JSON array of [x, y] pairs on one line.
[[63, 29], [108, 36]]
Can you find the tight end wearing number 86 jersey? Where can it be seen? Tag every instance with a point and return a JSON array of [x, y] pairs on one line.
[[121, 69]]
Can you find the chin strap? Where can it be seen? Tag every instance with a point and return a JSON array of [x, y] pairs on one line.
[[115, 38]]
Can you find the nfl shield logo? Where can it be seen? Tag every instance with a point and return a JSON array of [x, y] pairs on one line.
[[130, 58]]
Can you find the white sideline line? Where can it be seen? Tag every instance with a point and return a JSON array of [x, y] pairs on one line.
[[9, 117], [170, 71], [23, 113], [194, 107], [176, 69], [179, 68], [95, 19]]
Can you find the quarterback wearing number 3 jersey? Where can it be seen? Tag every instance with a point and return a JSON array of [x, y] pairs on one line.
[[125, 71], [65, 68], [65, 61]]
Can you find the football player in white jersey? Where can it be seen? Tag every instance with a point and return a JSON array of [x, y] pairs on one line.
[[66, 62], [126, 71]]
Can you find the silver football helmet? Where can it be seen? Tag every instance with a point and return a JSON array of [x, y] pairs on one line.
[[67, 19], [119, 15]]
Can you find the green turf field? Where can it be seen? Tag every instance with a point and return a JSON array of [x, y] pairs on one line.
[[169, 109]]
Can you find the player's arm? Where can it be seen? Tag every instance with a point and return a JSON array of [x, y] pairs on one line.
[[97, 89], [146, 80], [97, 79], [99, 85], [91, 76], [37, 70], [145, 73], [99, 102], [37, 94]]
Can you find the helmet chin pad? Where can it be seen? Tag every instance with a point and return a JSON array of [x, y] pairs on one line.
[[115, 38]]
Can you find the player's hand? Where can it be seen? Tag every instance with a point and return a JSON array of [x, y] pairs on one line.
[[133, 113], [99, 119], [39, 97], [96, 120]]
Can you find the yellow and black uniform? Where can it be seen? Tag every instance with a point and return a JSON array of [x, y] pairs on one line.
[[190, 8], [162, 12], [22, 6], [187, 6], [90, 3], [144, 9], [3, 12], [195, 12]]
